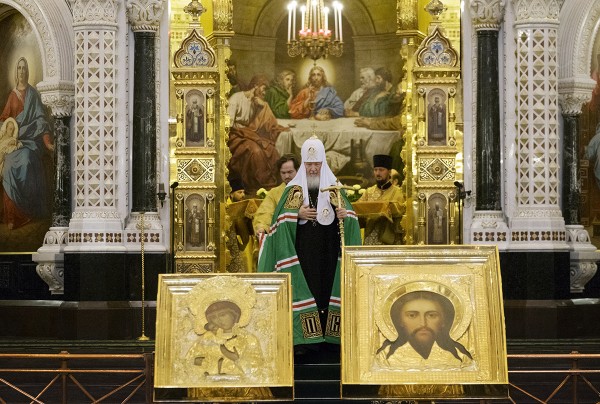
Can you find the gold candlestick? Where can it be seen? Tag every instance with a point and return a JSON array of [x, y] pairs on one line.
[[142, 227]]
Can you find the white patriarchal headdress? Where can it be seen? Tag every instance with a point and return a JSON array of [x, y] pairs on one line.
[[313, 151]]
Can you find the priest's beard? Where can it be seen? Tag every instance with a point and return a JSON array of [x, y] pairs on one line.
[[313, 182], [381, 183]]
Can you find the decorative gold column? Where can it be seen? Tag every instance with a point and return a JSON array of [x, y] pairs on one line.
[[434, 152], [411, 38], [219, 40], [195, 149], [407, 15]]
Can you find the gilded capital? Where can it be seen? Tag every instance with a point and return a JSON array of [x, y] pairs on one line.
[[223, 11], [144, 15], [487, 14], [537, 10], [407, 14], [94, 12]]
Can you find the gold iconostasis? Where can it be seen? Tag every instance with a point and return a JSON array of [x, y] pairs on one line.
[[226, 51]]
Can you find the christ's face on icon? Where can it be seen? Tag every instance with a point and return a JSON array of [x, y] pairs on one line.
[[422, 320]]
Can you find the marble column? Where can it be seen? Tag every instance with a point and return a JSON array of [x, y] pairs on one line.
[[489, 224], [571, 185], [144, 17], [488, 121], [96, 224], [50, 257], [537, 221], [583, 254]]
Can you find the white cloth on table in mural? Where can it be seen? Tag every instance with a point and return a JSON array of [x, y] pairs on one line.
[[336, 135]]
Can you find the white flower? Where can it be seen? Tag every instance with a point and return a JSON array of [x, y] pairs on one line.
[[361, 191], [350, 192], [356, 186]]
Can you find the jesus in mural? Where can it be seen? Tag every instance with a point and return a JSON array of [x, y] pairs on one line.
[[317, 99]]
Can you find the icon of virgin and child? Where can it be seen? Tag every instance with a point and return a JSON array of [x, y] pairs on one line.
[[223, 347], [26, 139]]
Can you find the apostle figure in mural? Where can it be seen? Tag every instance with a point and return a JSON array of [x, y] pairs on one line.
[[359, 96], [24, 175], [279, 95], [317, 95], [232, 75], [194, 125], [436, 122], [254, 131], [377, 103], [423, 321]]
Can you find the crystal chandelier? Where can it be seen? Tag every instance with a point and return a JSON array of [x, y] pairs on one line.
[[314, 37]]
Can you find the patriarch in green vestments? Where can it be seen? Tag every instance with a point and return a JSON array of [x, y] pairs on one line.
[[304, 240]]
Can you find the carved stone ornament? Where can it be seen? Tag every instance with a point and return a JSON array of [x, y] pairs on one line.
[[99, 12], [572, 94], [60, 97], [50, 259], [53, 274], [584, 256], [487, 14], [581, 273], [538, 10], [571, 104], [145, 15]]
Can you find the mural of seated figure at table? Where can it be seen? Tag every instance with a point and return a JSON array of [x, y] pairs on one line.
[[316, 96], [315, 108]]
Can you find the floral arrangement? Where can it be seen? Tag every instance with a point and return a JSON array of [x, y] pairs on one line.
[[355, 193], [261, 193]]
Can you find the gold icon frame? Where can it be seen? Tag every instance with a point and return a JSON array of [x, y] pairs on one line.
[[468, 278], [190, 364]]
